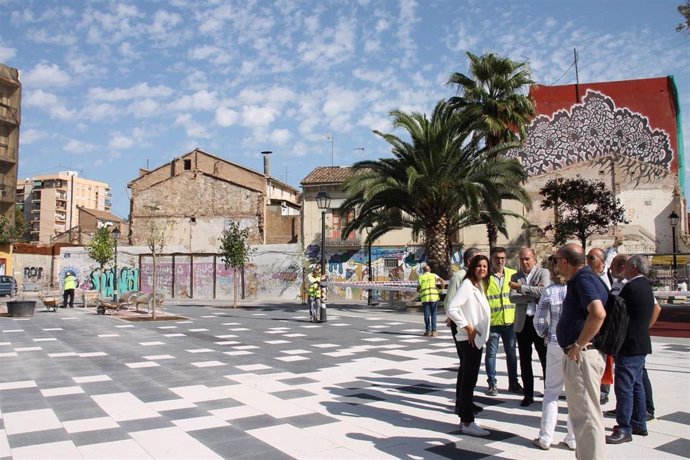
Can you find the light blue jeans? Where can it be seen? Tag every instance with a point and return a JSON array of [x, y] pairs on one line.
[[507, 335]]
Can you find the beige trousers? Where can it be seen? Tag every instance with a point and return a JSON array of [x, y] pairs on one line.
[[582, 381]]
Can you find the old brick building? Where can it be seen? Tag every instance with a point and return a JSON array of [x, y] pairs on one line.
[[197, 194]]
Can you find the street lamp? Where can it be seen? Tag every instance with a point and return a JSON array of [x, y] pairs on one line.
[[323, 201], [116, 236], [369, 228], [673, 220]]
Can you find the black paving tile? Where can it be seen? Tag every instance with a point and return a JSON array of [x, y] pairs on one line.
[[292, 394], [309, 420], [99, 436], [37, 437]]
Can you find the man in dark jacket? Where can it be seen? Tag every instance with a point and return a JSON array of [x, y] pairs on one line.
[[639, 300]]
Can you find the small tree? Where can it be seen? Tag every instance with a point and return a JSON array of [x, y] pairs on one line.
[[581, 207], [235, 251], [101, 249], [155, 240], [10, 233], [684, 10]]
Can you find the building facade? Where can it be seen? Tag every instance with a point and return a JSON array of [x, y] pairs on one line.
[[10, 121], [50, 202], [194, 197], [626, 134]]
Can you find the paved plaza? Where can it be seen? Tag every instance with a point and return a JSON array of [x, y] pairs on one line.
[[265, 383]]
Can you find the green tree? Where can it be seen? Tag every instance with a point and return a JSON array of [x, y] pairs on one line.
[[9, 232], [430, 179], [495, 93], [684, 10], [102, 247], [235, 251], [582, 208]]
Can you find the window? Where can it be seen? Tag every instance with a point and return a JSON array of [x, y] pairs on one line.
[[187, 165], [340, 221], [389, 264]]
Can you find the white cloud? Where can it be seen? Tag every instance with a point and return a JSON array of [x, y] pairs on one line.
[[77, 146], [256, 117], [144, 108], [30, 136], [127, 51], [164, 24], [226, 117], [331, 46], [200, 100], [97, 112], [7, 53], [134, 92], [49, 103], [121, 142], [193, 128], [340, 101], [280, 136], [46, 75]]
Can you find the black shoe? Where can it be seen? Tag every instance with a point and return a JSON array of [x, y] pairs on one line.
[[515, 388], [640, 432], [618, 437], [610, 413], [526, 401], [604, 399], [650, 417]]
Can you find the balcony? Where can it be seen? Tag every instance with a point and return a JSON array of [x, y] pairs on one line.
[[8, 154], [334, 239]]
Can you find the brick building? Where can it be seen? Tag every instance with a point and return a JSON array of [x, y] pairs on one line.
[[197, 194]]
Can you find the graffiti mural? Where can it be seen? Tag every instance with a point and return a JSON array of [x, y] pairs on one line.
[[591, 131], [33, 273], [103, 281]]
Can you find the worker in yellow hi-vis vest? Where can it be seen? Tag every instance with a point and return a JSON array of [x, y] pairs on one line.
[[314, 292], [429, 296]]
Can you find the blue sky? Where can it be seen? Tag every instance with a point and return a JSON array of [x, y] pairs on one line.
[[111, 86]]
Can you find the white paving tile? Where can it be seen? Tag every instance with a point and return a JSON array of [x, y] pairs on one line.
[[45, 339], [52, 450], [142, 364], [200, 329], [91, 378], [93, 354], [200, 350], [208, 364], [198, 393], [276, 342], [62, 355], [262, 401], [292, 440], [326, 345], [53, 329], [105, 336], [200, 423], [289, 359], [253, 367], [159, 357], [29, 421], [174, 335], [126, 449], [28, 349], [8, 354], [294, 335], [89, 424], [296, 352], [73, 390], [170, 404], [237, 353], [149, 344], [124, 406], [227, 342], [172, 443], [17, 385]]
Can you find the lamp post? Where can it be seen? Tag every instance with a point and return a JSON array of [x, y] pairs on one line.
[[323, 201], [673, 220], [116, 236], [369, 228]]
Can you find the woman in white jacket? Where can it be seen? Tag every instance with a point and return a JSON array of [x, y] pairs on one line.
[[470, 316]]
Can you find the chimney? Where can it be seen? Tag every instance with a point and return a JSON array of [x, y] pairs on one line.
[[267, 162]]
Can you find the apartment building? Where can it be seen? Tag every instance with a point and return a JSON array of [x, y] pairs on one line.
[[50, 202], [10, 119]]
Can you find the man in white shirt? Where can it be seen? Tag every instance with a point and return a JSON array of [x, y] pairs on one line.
[[596, 259]]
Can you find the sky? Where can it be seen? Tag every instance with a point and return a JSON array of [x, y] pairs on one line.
[[110, 87]]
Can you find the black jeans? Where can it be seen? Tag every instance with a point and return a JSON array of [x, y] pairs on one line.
[[471, 361], [458, 379], [68, 298], [525, 339]]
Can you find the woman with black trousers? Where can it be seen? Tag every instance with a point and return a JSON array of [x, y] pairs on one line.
[[470, 316]]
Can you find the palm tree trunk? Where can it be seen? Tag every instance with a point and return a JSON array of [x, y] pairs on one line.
[[437, 248], [492, 234]]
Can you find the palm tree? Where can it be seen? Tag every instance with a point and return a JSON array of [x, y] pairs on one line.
[[493, 94], [423, 187]]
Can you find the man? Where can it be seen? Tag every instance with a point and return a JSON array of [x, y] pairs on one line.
[[631, 413], [429, 296], [527, 286], [314, 293], [68, 292], [502, 319], [618, 281], [582, 316], [596, 259]]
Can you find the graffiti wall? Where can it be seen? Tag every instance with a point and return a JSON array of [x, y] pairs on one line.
[[32, 271]]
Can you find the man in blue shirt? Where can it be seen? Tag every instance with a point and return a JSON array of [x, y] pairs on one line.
[[582, 316]]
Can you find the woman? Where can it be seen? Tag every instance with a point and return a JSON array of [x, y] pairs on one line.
[[545, 322], [470, 316]]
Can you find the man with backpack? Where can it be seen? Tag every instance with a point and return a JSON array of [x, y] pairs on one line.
[[642, 310], [582, 316]]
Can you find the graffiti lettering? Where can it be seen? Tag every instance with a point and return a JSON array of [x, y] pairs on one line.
[[127, 280], [33, 273]]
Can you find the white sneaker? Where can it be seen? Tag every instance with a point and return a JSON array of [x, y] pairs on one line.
[[571, 444], [541, 444], [474, 430]]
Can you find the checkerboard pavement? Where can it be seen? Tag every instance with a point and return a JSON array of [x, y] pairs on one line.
[[266, 383]]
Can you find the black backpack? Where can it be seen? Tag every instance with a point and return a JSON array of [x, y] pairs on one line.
[[612, 334]]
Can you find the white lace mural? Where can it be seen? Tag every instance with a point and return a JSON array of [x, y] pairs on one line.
[[595, 130]]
